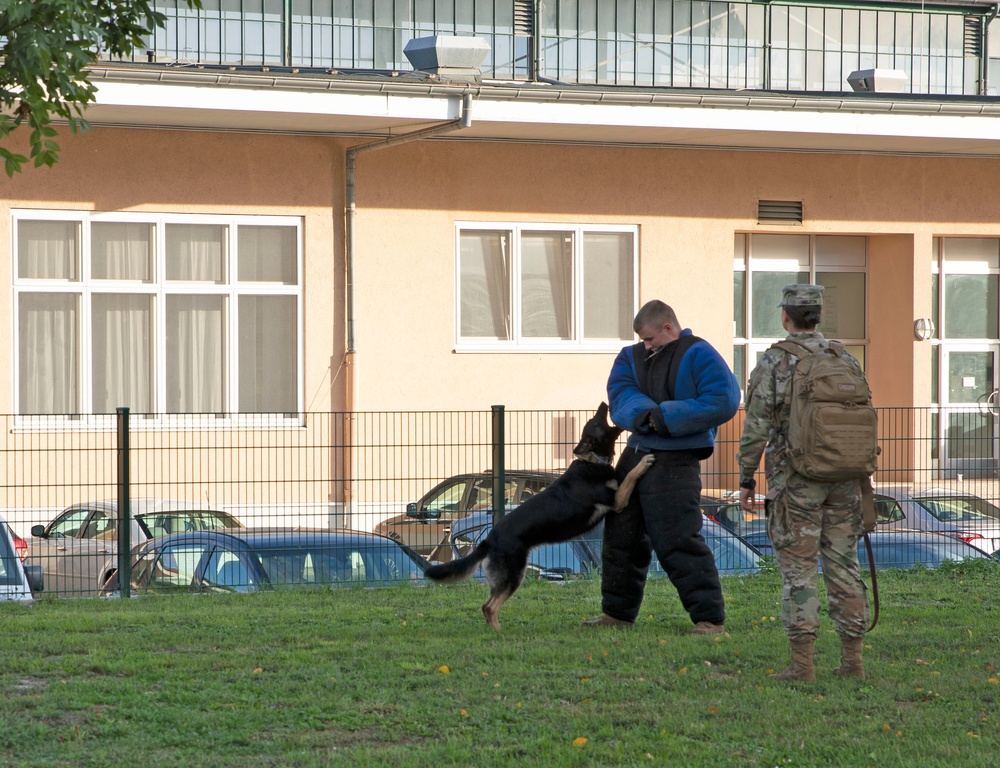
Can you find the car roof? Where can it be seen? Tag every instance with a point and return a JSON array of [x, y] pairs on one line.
[[144, 505], [271, 537]]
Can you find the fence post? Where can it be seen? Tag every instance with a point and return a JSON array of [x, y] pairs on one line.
[[499, 481], [124, 508]]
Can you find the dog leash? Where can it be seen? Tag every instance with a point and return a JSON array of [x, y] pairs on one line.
[[871, 567]]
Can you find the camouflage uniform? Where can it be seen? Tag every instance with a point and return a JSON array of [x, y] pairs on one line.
[[806, 519]]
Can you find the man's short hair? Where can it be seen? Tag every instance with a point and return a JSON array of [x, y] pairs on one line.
[[804, 317], [654, 312]]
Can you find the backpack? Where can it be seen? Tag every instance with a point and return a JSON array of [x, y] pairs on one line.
[[832, 428]]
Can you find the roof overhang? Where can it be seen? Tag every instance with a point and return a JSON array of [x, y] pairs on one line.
[[370, 106]]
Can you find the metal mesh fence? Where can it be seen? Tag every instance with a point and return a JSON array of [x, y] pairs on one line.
[[224, 489]]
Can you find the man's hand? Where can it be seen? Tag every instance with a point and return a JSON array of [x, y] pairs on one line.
[[747, 498]]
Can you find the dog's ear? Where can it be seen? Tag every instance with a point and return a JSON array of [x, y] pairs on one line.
[[602, 410]]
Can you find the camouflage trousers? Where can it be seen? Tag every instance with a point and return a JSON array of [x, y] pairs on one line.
[[809, 522]]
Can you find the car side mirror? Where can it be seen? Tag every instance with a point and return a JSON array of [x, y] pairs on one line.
[[38, 531], [411, 509], [421, 514], [36, 579]]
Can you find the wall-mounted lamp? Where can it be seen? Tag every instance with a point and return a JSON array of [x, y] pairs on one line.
[[923, 329]]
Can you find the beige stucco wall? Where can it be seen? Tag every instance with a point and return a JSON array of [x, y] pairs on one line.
[[111, 169], [686, 203]]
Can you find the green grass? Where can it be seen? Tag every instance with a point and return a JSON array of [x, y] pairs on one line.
[[413, 676]]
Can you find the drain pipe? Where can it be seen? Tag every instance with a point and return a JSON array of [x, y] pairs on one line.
[[984, 71], [350, 211]]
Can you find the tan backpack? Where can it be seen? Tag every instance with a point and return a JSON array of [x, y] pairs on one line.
[[833, 428]]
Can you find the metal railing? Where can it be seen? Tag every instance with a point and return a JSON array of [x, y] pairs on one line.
[[678, 44], [329, 471]]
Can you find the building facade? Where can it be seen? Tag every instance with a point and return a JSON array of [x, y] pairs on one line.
[[275, 214]]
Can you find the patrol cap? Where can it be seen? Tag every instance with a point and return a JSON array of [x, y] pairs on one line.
[[802, 295]]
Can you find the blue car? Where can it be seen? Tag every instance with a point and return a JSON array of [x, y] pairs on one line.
[[898, 549], [253, 559], [581, 556]]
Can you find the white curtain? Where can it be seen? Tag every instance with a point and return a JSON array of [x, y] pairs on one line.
[[195, 354], [122, 353], [121, 251], [607, 285], [546, 284], [267, 254], [48, 351], [484, 274], [268, 345], [195, 324], [48, 250], [196, 252]]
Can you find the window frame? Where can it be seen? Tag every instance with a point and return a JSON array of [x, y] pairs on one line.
[[85, 288], [748, 348], [527, 344]]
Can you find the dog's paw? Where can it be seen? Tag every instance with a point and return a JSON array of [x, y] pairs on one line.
[[646, 462]]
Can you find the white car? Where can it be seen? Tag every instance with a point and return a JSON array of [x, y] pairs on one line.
[[953, 513], [78, 551], [17, 580]]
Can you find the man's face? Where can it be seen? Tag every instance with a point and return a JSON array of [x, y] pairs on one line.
[[656, 336]]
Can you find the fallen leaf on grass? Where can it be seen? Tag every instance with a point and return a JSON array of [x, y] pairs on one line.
[[258, 670], [579, 741], [443, 669]]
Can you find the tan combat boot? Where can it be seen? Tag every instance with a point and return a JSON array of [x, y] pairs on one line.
[[850, 658], [802, 661]]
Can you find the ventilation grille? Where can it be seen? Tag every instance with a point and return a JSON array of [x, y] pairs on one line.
[[779, 212], [974, 36], [524, 18]]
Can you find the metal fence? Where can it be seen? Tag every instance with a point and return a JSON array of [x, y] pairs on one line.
[[331, 471]]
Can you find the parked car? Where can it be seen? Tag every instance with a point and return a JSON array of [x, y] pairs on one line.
[[79, 549], [582, 555], [17, 580], [20, 545], [253, 559], [725, 509], [898, 549], [426, 525], [953, 513]]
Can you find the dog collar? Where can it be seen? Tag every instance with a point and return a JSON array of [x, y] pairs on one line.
[[593, 458]]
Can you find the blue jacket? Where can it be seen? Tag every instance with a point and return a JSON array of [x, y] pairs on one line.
[[706, 396]]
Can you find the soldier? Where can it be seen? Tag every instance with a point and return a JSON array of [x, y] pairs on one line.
[[806, 519]]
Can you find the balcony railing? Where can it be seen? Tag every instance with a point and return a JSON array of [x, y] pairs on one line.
[[673, 43]]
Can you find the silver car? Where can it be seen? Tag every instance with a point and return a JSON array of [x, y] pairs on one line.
[[78, 551], [940, 510], [17, 580]]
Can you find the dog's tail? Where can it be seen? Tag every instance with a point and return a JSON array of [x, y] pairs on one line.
[[459, 569]]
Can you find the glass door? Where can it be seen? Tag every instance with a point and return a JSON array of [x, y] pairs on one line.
[[969, 409]]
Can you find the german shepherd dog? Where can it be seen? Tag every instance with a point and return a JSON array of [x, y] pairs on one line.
[[577, 501]]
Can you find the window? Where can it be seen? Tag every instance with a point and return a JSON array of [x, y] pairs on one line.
[[163, 314], [764, 264], [535, 286]]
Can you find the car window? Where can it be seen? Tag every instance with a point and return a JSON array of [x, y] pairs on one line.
[[181, 521], [887, 510], [447, 499], [8, 567], [481, 494], [226, 569], [954, 509], [176, 565], [100, 526], [68, 524]]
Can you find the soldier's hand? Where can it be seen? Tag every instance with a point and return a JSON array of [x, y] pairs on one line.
[[746, 498]]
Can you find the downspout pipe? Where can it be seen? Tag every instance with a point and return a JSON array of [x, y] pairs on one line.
[[350, 198], [984, 72], [350, 212]]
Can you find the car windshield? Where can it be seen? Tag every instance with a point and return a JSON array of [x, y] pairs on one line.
[[327, 565], [155, 524], [959, 509]]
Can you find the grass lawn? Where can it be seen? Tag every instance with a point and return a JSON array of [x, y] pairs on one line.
[[414, 677]]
